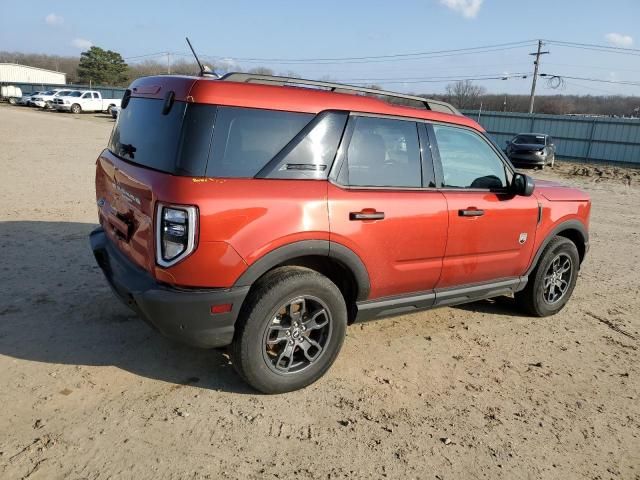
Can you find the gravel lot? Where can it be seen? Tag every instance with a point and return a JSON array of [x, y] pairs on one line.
[[88, 391]]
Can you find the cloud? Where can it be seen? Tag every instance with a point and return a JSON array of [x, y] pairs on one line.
[[53, 20], [81, 43], [468, 8], [619, 40]]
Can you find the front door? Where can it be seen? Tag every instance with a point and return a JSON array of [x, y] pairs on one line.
[[381, 206], [491, 231]]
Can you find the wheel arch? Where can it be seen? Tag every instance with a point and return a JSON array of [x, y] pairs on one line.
[[573, 230], [333, 260]]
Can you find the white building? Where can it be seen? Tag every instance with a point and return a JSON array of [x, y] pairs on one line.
[[14, 73]]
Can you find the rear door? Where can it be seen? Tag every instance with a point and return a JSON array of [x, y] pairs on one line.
[[382, 205], [491, 231]]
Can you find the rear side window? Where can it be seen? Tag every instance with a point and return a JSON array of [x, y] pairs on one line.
[[246, 139], [384, 153]]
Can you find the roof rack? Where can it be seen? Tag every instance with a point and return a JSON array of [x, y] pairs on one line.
[[429, 104]]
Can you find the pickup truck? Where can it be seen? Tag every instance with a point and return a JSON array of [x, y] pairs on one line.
[[85, 101]]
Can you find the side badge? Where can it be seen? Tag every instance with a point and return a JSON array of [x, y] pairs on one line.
[[522, 239]]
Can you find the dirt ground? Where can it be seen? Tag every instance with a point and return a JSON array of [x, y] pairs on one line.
[[88, 391]]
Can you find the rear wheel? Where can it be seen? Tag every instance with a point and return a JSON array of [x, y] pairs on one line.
[[552, 282], [290, 330], [109, 109], [553, 160], [12, 101], [75, 108]]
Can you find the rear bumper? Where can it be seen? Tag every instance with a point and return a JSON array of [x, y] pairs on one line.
[[180, 314]]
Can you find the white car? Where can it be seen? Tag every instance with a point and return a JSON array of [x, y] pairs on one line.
[[85, 101], [45, 100], [26, 98]]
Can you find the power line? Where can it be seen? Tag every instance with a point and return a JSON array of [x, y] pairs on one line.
[[596, 47], [478, 76], [451, 79], [600, 80], [374, 59]]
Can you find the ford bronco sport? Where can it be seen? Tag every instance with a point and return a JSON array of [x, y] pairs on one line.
[[268, 213]]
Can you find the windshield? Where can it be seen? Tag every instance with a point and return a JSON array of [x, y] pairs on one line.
[[75, 93], [50, 92], [529, 139], [63, 93]]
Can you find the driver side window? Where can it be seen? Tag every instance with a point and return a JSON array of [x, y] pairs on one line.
[[467, 160]]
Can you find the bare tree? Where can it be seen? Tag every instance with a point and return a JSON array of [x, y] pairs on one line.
[[464, 94]]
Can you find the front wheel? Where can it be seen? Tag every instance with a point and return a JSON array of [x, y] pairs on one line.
[[12, 101], [552, 282], [290, 330], [75, 108]]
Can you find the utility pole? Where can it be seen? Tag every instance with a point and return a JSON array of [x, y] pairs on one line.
[[168, 63], [536, 64]]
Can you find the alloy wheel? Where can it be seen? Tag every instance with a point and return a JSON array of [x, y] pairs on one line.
[[297, 336], [557, 279]]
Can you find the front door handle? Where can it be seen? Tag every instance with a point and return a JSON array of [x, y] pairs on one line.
[[470, 212], [366, 215]]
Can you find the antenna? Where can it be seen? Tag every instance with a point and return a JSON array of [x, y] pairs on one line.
[[204, 70]]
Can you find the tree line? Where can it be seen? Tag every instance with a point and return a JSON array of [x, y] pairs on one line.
[[105, 67]]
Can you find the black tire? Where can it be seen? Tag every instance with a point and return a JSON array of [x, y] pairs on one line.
[[75, 108], [109, 109], [536, 296], [553, 160], [48, 105], [254, 352], [12, 101]]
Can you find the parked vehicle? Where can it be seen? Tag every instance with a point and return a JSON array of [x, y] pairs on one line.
[[86, 101], [46, 99], [10, 93], [531, 150], [114, 112], [267, 217], [26, 98]]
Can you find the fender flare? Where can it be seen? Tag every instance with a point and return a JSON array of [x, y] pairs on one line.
[[304, 248], [566, 225]]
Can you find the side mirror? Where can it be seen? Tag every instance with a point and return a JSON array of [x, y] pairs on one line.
[[522, 184]]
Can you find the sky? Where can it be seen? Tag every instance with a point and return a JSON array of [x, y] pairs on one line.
[[229, 33]]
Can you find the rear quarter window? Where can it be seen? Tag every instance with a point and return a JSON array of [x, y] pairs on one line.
[[245, 139]]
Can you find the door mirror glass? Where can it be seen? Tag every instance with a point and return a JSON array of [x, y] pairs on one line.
[[522, 184]]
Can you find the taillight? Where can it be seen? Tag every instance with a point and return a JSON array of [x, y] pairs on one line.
[[175, 233]]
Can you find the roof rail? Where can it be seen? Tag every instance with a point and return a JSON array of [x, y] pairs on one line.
[[429, 104]]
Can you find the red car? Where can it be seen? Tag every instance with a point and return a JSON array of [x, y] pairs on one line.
[[268, 214]]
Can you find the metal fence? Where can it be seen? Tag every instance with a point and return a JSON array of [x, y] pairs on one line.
[[106, 92], [601, 139]]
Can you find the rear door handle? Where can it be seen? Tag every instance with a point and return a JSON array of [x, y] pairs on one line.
[[366, 215], [470, 212]]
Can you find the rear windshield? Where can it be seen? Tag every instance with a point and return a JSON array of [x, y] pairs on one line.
[[185, 142], [529, 139]]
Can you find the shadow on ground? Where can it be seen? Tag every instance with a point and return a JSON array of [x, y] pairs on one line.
[[56, 307]]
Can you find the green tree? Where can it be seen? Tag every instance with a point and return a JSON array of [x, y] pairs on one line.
[[102, 67]]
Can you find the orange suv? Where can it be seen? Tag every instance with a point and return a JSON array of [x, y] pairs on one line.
[[268, 213]]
